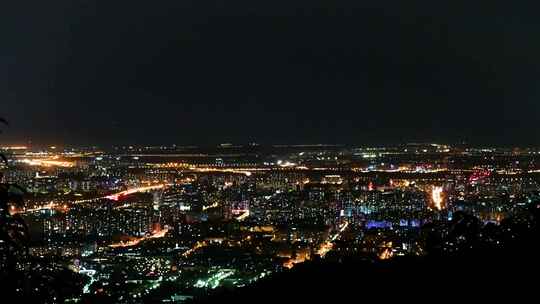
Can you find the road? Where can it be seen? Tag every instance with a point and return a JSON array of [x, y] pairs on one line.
[[115, 197]]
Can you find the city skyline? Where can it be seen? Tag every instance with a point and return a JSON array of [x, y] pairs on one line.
[[239, 151], [175, 224]]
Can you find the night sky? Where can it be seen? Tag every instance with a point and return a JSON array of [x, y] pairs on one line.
[[208, 72]]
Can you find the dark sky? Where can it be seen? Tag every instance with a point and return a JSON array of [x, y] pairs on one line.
[[199, 72]]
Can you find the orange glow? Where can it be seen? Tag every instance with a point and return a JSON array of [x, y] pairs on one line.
[[329, 245], [157, 234], [243, 216], [300, 258], [14, 148], [117, 196], [325, 248], [48, 162], [386, 254], [197, 246], [437, 197]]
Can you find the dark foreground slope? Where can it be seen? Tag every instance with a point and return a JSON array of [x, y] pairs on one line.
[[481, 270]]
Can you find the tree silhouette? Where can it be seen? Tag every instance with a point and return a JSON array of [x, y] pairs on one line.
[[14, 233], [28, 278]]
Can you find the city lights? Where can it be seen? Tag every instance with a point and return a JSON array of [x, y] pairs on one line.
[[437, 197], [203, 225], [181, 152]]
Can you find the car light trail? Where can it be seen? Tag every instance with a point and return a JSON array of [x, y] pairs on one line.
[[156, 235], [328, 246], [117, 196]]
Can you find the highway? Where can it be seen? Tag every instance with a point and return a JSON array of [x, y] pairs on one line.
[[158, 234], [329, 245], [115, 197]]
